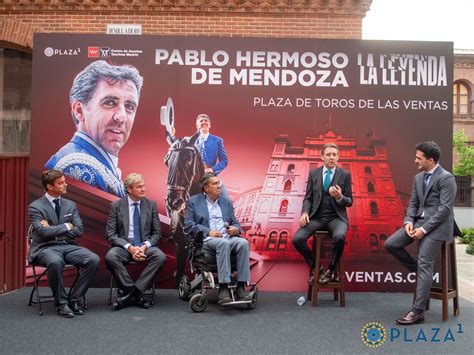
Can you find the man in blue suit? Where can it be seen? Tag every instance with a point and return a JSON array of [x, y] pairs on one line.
[[211, 148], [104, 99], [213, 215]]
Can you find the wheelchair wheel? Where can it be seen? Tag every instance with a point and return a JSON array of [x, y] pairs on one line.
[[184, 288], [254, 294], [198, 303]]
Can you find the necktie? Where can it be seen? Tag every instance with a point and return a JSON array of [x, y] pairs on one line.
[[425, 181], [202, 150], [327, 180], [57, 208], [137, 231]]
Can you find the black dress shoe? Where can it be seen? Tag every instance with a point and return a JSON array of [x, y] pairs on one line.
[[325, 278], [120, 302], [141, 301], [241, 294], [224, 297], [64, 311], [77, 308], [412, 317]]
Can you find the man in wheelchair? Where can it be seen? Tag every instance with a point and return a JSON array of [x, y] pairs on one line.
[[213, 215]]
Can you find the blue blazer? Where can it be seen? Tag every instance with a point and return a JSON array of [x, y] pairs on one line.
[[83, 160], [214, 151], [197, 215]]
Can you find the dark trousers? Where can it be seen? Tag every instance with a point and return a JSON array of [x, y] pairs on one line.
[[54, 258], [335, 226], [428, 250], [116, 259]]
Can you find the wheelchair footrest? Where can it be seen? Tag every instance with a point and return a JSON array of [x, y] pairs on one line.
[[236, 302]]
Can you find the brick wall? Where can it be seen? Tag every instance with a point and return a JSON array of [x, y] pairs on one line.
[[19, 19]]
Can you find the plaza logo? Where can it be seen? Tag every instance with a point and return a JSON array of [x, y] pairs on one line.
[[49, 51], [374, 334], [98, 52]]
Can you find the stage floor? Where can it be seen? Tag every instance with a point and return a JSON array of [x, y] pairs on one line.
[[276, 326]]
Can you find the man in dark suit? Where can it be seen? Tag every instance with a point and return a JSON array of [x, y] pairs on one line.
[[430, 220], [133, 230], [56, 224], [328, 194], [213, 215]]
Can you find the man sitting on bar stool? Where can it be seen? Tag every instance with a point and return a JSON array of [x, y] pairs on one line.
[[328, 194], [430, 220]]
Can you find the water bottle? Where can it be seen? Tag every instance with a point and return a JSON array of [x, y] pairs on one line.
[[301, 301]]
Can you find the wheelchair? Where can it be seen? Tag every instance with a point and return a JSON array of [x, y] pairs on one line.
[[203, 265]]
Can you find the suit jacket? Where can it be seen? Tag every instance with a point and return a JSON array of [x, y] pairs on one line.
[[83, 160], [314, 192], [214, 150], [197, 215], [119, 221], [437, 204], [42, 237]]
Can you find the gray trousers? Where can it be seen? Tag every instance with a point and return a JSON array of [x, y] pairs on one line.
[[54, 257], [116, 259], [223, 248], [428, 250]]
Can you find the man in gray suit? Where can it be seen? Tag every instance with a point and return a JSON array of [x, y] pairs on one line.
[[56, 224], [133, 230], [430, 220], [213, 215], [328, 194]]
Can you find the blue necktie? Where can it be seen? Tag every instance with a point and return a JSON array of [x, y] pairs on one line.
[[57, 208], [327, 180], [202, 148], [425, 182], [137, 231]]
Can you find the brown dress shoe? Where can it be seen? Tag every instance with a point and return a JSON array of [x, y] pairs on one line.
[[411, 317], [325, 278]]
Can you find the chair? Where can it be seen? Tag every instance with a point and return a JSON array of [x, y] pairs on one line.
[[448, 269], [338, 284], [151, 292], [38, 278]]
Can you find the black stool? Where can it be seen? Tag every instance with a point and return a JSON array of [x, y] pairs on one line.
[[338, 285]]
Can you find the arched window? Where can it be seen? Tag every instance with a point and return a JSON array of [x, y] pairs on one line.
[[288, 185], [291, 169], [272, 240], [374, 210], [283, 206], [283, 240], [370, 187], [383, 237], [373, 242], [368, 170], [460, 98]]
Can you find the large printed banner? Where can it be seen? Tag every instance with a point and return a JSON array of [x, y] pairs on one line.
[[273, 104]]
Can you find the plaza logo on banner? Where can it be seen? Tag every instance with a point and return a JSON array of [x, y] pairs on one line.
[[374, 334], [50, 51]]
